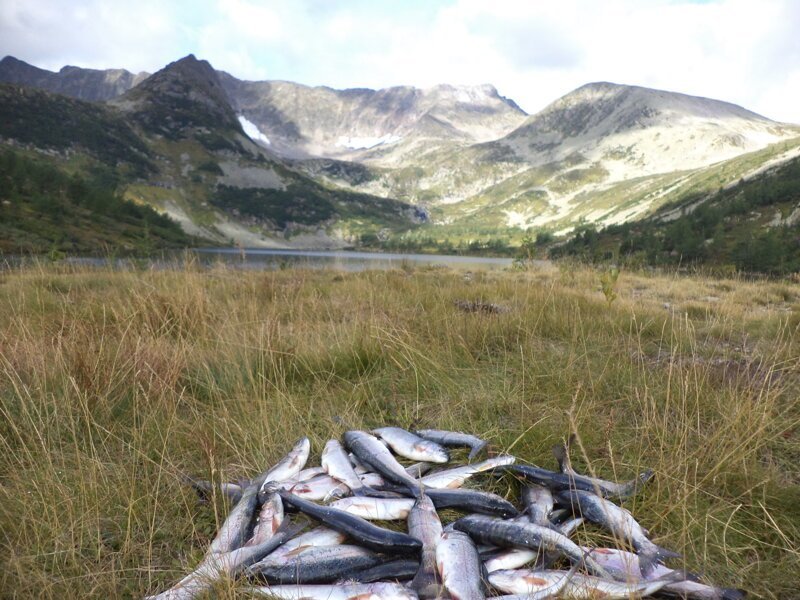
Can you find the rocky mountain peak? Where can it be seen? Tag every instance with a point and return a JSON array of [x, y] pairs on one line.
[[75, 82], [185, 93]]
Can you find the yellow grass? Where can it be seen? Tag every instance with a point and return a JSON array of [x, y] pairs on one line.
[[112, 384]]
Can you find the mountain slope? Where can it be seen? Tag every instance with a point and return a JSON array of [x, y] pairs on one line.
[[75, 82], [604, 153], [201, 167], [752, 224], [43, 208], [379, 126]]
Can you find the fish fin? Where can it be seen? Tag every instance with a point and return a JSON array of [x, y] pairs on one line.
[[477, 450], [561, 455], [648, 560], [373, 493], [733, 594], [635, 485]]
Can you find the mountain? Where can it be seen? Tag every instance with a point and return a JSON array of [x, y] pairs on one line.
[[604, 153], [280, 163], [195, 162], [76, 82], [376, 126], [184, 95]]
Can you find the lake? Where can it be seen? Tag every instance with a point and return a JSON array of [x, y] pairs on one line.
[[262, 258]]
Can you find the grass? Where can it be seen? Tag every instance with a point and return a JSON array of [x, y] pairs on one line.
[[113, 383]]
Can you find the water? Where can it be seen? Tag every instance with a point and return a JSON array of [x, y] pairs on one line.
[[260, 258]]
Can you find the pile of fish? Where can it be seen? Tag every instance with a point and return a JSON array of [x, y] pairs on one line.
[[497, 549]]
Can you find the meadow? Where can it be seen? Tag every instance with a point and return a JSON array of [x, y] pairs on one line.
[[115, 383]]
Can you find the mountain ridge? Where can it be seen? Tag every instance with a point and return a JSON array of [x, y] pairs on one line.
[[460, 161]]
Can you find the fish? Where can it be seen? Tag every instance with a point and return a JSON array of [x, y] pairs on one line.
[[557, 481], [454, 439], [473, 501], [459, 566], [337, 464], [375, 509], [291, 464], [587, 587], [508, 558], [364, 532], [215, 566], [618, 522], [532, 584], [455, 478], [320, 536], [322, 487], [350, 591], [521, 534], [231, 491], [609, 489], [270, 518], [538, 502], [400, 569], [411, 446], [424, 525], [234, 531], [375, 455], [625, 567], [569, 527], [323, 564], [419, 469]]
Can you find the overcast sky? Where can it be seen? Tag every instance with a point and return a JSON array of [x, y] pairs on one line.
[[533, 51]]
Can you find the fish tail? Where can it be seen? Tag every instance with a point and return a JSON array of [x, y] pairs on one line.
[[648, 559], [372, 492], [476, 450]]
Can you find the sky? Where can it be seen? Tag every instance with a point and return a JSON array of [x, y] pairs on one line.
[[533, 51]]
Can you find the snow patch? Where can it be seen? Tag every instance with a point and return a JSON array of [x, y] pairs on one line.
[[363, 143], [252, 131]]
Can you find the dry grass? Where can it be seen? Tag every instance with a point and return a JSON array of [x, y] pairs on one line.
[[114, 383]]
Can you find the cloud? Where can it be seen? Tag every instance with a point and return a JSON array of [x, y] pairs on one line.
[[737, 50]]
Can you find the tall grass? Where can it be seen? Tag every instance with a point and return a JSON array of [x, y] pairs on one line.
[[114, 383]]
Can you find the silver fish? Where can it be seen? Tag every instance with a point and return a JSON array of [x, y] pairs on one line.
[[367, 534], [539, 502], [459, 566], [424, 524], [608, 489], [291, 464], [318, 537], [521, 534], [532, 585], [412, 446], [375, 509], [625, 566], [316, 565], [270, 518], [511, 558], [454, 439], [619, 522], [350, 591], [455, 478], [337, 464], [586, 587], [374, 454], [215, 566]]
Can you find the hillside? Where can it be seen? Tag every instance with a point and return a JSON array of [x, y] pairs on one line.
[[177, 145], [753, 225], [44, 208]]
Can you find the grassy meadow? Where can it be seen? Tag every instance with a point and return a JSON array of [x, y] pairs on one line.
[[113, 384]]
